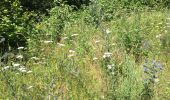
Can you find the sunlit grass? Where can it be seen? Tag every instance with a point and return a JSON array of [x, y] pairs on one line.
[[75, 68]]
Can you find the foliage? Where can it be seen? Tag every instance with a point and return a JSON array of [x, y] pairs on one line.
[[115, 49]]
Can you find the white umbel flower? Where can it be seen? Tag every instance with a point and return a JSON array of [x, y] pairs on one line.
[[107, 55]]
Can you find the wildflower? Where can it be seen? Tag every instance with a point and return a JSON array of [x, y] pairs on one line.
[[6, 67], [145, 69], [71, 51], [109, 67], [30, 87], [74, 35], [107, 55], [156, 80], [20, 48], [34, 58], [158, 36], [29, 72], [112, 73], [19, 56], [95, 58], [71, 55], [22, 69], [47, 42], [15, 65], [108, 31], [2, 40], [61, 45], [65, 38], [97, 41], [102, 96], [113, 44]]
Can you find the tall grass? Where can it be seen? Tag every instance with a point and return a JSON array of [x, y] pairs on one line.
[[94, 59]]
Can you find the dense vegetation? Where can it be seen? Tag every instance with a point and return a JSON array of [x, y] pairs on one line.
[[85, 49]]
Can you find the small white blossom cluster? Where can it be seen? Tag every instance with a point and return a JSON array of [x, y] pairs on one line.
[[20, 48], [110, 66], [72, 53], [47, 42], [107, 55], [95, 58], [21, 68], [73, 35], [60, 44], [108, 31], [6, 68], [19, 56]]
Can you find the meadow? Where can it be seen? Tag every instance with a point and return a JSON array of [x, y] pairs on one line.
[[95, 53]]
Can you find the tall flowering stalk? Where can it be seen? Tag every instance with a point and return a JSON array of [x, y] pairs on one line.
[[151, 71]]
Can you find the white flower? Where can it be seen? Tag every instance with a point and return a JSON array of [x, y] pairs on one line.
[[22, 69], [19, 48], [19, 56], [30, 87], [102, 96], [71, 51], [2, 40], [108, 31], [109, 67], [29, 72], [95, 58], [97, 41], [112, 73], [47, 42], [61, 45], [6, 67], [35, 58], [74, 35], [71, 55], [156, 80], [107, 55], [158, 36], [65, 38], [16, 65]]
